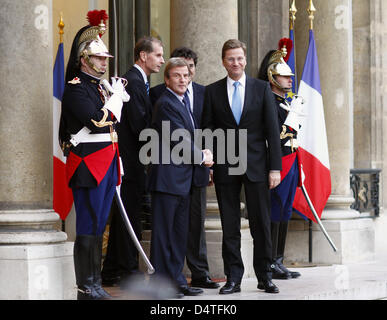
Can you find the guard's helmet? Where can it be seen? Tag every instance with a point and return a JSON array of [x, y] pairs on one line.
[[88, 43], [278, 67]]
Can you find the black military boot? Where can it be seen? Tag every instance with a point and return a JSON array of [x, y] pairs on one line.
[[283, 231], [84, 267], [97, 262], [277, 272]]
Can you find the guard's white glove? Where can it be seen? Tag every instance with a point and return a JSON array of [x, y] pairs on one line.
[[118, 87], [118, 97], [295, 111]]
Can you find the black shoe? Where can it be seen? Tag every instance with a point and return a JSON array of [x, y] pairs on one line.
[[204, 283], [292, 274], [278, 272], [268, 286], [189, 291], [230, 287], [87, 293]]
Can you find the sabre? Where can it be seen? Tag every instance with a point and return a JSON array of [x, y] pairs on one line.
[[317, 217], [118, 188], [131, 231]]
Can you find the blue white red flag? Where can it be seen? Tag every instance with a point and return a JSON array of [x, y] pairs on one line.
[[312, 139], [62, 195]]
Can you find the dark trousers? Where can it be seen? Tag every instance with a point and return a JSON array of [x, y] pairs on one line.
[[258, 207], [122, 255], [169, 235], [197, 247]]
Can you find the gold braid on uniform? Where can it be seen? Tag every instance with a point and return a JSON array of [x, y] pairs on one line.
[[284, 135], [103, 123]]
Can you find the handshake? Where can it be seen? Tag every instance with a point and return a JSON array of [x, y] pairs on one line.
[[207, 158], [118, 96]]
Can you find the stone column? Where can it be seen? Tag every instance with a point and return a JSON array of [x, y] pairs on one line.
[[35, 261], [333, 35], [204, 25]]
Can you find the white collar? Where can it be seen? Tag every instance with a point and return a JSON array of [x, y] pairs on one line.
[[242, 80]]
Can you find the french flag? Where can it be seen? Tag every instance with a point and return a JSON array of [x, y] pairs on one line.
[[312, 139], [62, 194]]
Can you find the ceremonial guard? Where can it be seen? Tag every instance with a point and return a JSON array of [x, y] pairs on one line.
[[87, 135], [275, 70]]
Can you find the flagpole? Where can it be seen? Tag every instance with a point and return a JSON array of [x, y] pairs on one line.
[[292, 13], [61, 26]]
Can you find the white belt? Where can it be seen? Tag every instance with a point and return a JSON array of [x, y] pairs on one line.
[[84, 136]]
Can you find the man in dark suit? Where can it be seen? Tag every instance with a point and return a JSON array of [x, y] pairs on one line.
[[239, 102], [197, 247], [170, 182], [122, 257]]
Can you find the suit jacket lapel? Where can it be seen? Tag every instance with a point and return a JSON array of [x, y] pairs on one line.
[[138, 74], [196, 105], [225, 103], [182, 109], [248, 93]]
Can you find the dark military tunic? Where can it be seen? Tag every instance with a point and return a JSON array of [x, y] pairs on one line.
[[92, 168], [82, 104]]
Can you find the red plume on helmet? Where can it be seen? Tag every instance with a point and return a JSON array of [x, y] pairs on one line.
[[285, 45], [96, 16]]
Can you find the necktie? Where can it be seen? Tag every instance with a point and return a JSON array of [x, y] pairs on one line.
[[188, 106], [236, 105], [147, 88]]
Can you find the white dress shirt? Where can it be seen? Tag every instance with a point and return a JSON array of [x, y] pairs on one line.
[[241, 89], [190, 95]]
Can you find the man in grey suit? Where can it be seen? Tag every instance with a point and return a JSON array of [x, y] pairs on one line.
[[239, 102]]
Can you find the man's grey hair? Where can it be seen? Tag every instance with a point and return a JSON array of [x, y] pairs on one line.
[[173, 63]]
